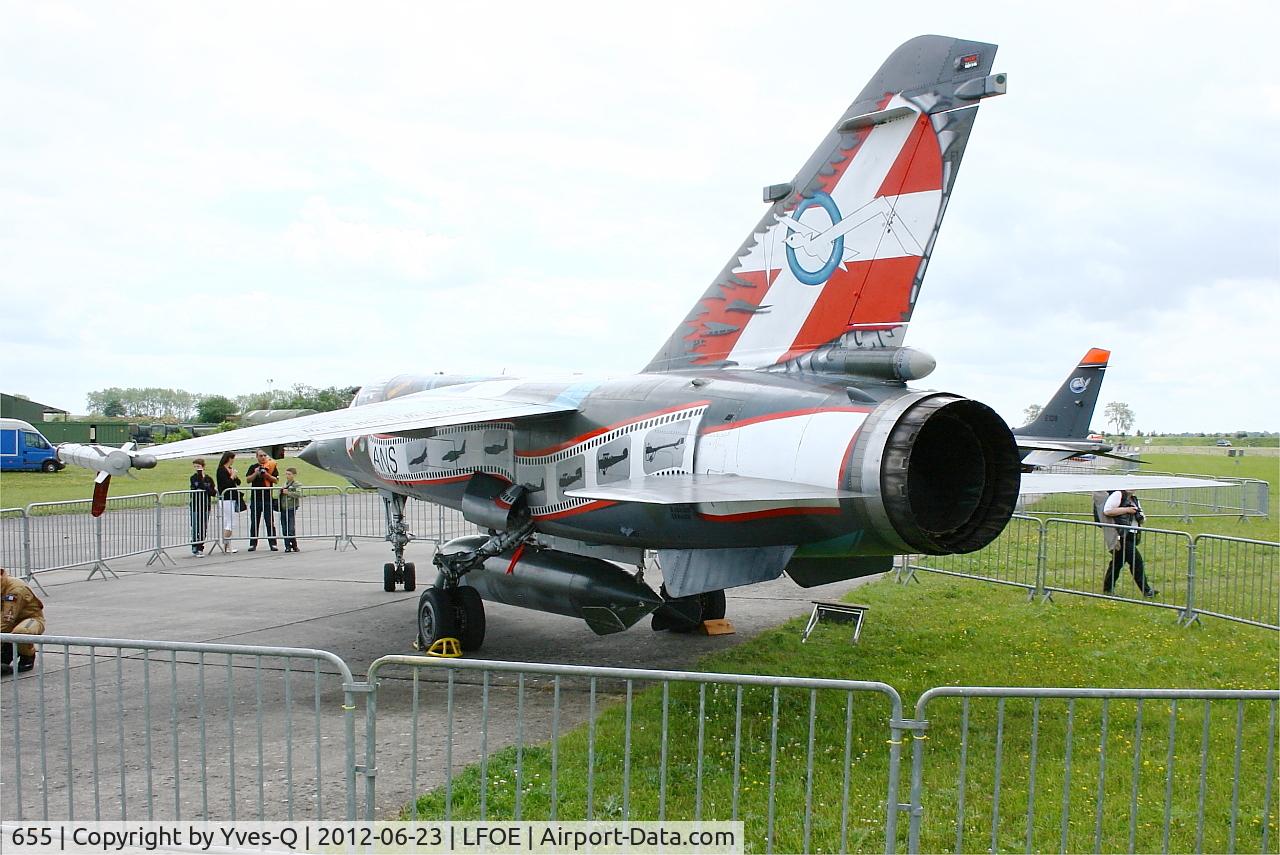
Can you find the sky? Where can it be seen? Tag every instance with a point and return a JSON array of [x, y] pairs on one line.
[[236, 196]]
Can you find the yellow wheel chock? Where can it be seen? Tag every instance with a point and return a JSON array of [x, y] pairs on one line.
[[449, 648]]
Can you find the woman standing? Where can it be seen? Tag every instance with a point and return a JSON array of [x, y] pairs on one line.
[[228, 497]]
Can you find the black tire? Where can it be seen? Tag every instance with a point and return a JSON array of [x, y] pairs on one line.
[[435, 617], [468, 611], [714, 605], [678, 614], [410, 576], [388, 577], [49, 466]]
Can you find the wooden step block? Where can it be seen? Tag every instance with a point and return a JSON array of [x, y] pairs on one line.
[[717, 627]]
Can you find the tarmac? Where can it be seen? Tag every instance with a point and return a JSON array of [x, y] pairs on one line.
[[323, 598]]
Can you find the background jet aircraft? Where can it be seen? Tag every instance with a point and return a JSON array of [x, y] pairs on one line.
[[807, 453], [1061, 431]]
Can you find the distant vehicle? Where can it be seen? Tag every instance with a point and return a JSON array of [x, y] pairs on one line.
[[24, 449], [1223, 443]]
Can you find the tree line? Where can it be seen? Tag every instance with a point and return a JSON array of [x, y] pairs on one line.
[[179, 405]]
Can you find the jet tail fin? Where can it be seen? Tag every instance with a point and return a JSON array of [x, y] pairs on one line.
[[1069, 411], [839, 256]]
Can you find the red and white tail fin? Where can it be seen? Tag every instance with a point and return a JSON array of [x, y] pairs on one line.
[[839, 257]]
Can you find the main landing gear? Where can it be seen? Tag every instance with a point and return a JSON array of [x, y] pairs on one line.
[[685, 614], [398, 572], [450, 609], [456, 612]]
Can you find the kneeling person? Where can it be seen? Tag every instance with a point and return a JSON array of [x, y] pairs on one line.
[[21, 612]]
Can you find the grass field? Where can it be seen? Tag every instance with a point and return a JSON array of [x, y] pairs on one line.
[[1236, 442], [941, 632], [19, 489]]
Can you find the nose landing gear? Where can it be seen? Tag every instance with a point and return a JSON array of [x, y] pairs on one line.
[[398, 572]]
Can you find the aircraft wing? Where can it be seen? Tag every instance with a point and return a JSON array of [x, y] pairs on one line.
[[707, 488], [423, 410], [1041, 483]]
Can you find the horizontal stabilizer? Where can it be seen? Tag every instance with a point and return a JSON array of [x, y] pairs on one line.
[[1041, 483], [707, 488]]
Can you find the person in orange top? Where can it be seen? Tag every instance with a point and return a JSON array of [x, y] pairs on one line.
[[262, 476], [21, 612]]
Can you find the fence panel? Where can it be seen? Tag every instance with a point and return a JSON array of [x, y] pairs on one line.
[[110, 729], [13, 534], [1094, 770], [1237, 578], [366, 517], [128, 526], [1077, 559], [804, 763], [1011, 559], [62, 534]]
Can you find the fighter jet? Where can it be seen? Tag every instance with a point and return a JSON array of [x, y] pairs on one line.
[[606, 460], [498, 447], [1061, 430], [812, 456], [456, 454]]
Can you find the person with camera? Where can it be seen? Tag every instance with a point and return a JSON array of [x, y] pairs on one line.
[[262, 477], [203, 491], [1124, 514]]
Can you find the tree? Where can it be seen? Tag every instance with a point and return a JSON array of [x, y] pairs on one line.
[[113, 409], [1119, 416], [215, 409], [1033, 412]]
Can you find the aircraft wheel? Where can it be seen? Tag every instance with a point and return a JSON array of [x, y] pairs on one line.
[[678, 614], [410, 576], [713, 605], [468, 612], [388, 577], [436, 618]]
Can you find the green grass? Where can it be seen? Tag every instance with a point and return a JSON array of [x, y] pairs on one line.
[[1236, 442], [940, 632], [19, 489]]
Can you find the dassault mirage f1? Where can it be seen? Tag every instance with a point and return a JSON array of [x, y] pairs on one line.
[[773, 432]]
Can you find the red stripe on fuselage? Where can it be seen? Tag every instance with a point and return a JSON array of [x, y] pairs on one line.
[[542, 452], [771, 512], [786, 414]]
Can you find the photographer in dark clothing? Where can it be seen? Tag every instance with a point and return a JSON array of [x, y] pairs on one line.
[[203, 492], [1124, 516], [262, 477]]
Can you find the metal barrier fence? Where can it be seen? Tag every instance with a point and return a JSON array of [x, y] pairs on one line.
[[1097, 770], [710, 740], [59, 535], [13, 546], [203, 731], [108, 728], [1228, 577], [1244, 498]]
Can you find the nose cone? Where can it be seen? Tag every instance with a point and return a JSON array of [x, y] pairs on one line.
[[311, 454]]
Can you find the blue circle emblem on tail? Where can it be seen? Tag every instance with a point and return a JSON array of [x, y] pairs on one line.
[[822, 274]]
